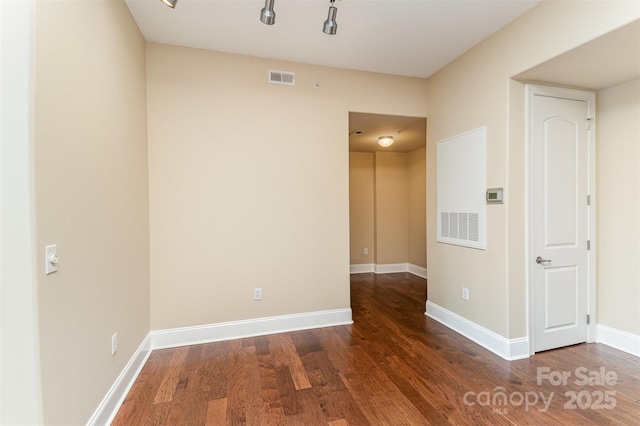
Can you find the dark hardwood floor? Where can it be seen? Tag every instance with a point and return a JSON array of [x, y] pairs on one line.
[[393, 366]]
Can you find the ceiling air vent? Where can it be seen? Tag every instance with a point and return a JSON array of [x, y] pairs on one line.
[[282, 77]]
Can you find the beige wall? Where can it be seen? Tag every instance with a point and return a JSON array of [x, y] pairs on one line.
[[392, 207], [361, 208], [475, 90], [418, 207], [619, 207], [387, 207], [249, 182], [91, 200]]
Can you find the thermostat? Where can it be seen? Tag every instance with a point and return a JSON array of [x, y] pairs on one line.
[[494, 196]]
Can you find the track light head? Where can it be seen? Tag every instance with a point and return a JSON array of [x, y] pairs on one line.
[[170, 3], [267, 15], [330, 25]]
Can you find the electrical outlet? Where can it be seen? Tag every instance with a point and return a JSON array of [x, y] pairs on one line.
[[366, 251], [114, 343], [465, 293], [257, 294]]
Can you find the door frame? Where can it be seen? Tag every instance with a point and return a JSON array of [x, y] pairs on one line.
[[589, 97]]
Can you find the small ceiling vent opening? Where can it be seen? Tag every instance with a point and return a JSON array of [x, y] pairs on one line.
[[282, 77], [357, 132]]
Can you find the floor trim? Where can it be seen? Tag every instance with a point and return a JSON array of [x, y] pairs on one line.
[[110, 404], [509, 349], [621, 340], [418, 271], [389, 268], [247, 328], [361, 268]]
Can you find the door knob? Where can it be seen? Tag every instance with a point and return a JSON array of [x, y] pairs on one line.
[[541, 261]]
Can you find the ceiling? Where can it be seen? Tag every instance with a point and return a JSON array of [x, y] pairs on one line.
[[403, 37], [607, 61], [409, 133]]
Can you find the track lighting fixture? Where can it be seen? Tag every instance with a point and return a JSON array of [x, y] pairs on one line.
[[267, 15], [330, 25], [170, 3]]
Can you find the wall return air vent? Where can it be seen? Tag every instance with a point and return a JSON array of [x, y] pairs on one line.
[[282, 77]]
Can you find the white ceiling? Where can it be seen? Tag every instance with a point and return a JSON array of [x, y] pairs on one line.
[[403, 37], [609, 60]]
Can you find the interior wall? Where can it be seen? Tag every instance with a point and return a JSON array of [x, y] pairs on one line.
[[249, 182], [387, 207], [91, 190], [20, 402], [392, 207], [361, 207], [475, 90], [418, 207], [619, 207]]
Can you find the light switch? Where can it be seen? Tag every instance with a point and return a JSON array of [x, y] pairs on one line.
[[50, 259]]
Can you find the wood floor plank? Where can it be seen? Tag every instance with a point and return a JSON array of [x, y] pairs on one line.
[[215, 368], [318, 361], [393, 366], [287, 390], [308, 413], [415, 391], [244, 384], [158, 414], [273, 411], [348, 408], [168, 386], [236, 386], [306, 343], [323, 395], [189, 404], [217, 412], [236, 416], [262, 345], [291, 358], [137, 405], [134, 410]]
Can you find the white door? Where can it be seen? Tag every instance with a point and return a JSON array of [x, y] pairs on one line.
[[560, 184]]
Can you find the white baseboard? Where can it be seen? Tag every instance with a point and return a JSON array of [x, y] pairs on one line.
[[621, 340], [509, 349], [418, 271], [389, 268], [361, 268], [248, 328], [114, 398]]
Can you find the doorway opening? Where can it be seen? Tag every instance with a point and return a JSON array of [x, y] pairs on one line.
[[387, 194]]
